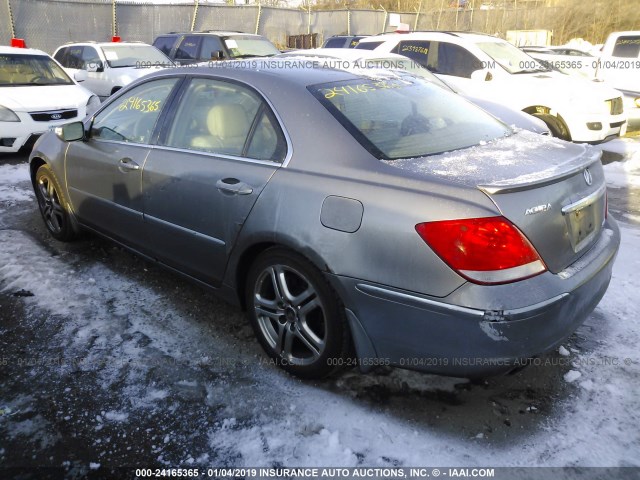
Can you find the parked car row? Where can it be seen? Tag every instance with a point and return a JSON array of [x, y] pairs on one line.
[[487, 67], [354, 58], [46, 91]]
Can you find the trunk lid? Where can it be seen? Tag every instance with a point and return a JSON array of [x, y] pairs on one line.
[[552, 190]]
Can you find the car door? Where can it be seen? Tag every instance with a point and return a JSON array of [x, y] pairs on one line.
[[217, 151], [104, 172], [96, 77]]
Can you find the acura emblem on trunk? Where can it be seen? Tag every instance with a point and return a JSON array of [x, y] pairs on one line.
[[56, 116], [587, 176]]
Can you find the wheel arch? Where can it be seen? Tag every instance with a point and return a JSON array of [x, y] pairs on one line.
[[239, 267], [34, 164], [554, 120]]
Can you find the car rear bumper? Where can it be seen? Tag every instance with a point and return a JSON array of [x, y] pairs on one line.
[[414, 331]]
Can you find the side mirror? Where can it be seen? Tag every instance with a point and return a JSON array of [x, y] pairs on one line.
[[70, 132], [95, 67], [483, 75], [217, 55], [80, 76]]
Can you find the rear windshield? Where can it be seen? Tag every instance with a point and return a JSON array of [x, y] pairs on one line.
[[402, 116], [30, 70], [627, 47]]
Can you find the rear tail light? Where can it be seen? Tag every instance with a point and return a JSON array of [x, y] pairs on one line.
[[483, 250]]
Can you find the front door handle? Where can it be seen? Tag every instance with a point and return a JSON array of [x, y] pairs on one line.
[[234, 186], [127, 165]]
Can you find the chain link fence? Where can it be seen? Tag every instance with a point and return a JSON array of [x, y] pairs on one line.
[[46, 24], [5, 24]]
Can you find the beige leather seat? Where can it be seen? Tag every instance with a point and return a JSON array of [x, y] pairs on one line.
[[228, 127]]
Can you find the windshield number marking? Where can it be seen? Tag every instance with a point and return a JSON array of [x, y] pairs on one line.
[[139, 104]]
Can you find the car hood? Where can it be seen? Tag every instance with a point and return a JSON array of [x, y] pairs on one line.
[[42, 98], [129, 74], [510, 116], [568, 86]]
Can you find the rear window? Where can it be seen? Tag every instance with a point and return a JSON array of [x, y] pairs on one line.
[[165, 44], [401, 116], [368, 45], [336, 42], [627, 47]]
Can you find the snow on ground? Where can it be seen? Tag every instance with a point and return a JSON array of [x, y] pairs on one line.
[[151, 350], [626, 173], [12, 183]]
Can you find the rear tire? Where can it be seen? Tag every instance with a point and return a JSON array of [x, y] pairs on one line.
[[54, 207], [296, 315]]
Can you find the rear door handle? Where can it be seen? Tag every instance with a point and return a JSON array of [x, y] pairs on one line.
[[127, 165], [234, 186]]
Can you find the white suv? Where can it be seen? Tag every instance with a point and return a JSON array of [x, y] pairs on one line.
[[104, 68], [488, 67], [36, 94]]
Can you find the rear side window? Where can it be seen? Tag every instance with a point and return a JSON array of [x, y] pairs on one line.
[[334, 43], [456, 60], [228, 119], [90, 57], [627, 47], [61, 55], [368, 45], [165, 44], [418, 51], [188, 49], [71, 57], [403, 116]]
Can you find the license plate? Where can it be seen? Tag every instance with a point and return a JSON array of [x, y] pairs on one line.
[[582, 226]]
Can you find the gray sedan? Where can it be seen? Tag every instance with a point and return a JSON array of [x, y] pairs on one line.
[[360, 219]]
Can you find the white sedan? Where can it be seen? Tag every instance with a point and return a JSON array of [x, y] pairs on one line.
[[36, 94], [104, 68]]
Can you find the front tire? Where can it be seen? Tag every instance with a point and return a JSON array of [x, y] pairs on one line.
[[556, 125], [297, 317], [53, 205]]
